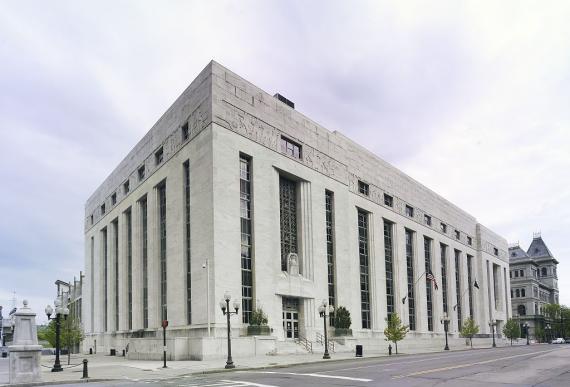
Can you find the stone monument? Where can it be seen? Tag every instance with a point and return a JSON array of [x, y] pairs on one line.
[[25, 353]]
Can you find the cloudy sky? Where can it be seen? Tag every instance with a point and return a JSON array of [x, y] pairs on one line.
[[470, 98]]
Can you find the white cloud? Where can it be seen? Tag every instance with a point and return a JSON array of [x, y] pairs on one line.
[[470, 98]]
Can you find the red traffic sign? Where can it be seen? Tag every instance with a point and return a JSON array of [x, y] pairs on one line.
[[164, 323]]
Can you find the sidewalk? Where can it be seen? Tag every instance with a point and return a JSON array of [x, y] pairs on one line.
[[104, 367]]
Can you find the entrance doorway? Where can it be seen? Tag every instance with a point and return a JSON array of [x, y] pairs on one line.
[[291, 317]]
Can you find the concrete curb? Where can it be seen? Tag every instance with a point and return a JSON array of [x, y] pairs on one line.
[[54, 382]]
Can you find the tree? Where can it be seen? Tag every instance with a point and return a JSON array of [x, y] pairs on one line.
[[512, 329], [539, 333], [342, 318], [395, 330], [70, 333], [469, 329], [258, 317], [558, 317]]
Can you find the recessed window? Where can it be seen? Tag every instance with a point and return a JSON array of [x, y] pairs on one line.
[[388, 200], [103, 209], [523, 293], [470, 241], [495, 251], [409, 211], [185, 133], [91, 219], [457, 234], [363, 188], [159, 156], [522, 273], [427, 220], [114, 199], [126, 187], [290, 147], [516, 274], [510, 274], [141, 173], [443, 227]]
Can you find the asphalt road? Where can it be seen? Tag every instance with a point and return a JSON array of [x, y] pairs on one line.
[[535, 365]]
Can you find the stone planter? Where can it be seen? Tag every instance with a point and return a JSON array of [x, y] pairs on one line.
[[338, 332], [258, 330]]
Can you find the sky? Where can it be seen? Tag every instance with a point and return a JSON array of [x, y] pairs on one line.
[[470, 98]]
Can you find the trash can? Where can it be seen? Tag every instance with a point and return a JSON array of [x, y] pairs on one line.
[[358, 350], [113, 352]]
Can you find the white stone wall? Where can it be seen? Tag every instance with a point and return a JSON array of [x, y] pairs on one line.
[[228, 115]]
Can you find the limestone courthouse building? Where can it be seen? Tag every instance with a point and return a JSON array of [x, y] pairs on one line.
[[233, 190]]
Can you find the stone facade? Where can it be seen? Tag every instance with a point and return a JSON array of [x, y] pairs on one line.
[[219, 127], [534, 282]]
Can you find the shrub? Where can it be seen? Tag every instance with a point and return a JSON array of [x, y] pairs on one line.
[[342, 318], [258, 317]]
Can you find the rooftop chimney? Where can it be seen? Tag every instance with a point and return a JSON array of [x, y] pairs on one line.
[[287, 102]]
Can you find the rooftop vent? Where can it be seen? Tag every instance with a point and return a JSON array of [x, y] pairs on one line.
[[287, 102]]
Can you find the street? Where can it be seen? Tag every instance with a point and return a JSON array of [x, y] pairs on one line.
[[536, 365]]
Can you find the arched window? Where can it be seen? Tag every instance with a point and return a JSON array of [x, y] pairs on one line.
[[518, 293], [543, 272], [522, 310], [523, 293]]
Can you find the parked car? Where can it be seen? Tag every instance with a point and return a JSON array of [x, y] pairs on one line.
[[567, 340], [558, 340]]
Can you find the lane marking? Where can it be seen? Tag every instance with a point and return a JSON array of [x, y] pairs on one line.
[[424, 359], [315, 375], [466, 365], [240, 383], [398, 363]]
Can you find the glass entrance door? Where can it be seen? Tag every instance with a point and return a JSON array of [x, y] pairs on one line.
[[291, 318]]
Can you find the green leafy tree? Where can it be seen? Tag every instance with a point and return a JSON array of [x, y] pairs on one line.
[[342, 318], [71, 333], [512, 329], [395, 331], [559, 318], [469, 329], [539, 333]]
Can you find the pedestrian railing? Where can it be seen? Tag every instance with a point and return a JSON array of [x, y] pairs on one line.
[[307, 344], [320, 339]]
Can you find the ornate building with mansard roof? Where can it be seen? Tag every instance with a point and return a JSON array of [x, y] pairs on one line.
[[234, 191], [534, 281]]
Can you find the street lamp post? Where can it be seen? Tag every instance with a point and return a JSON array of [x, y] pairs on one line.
[[445, 322], [323, 309], [492, 324], [225, 306], [548, 334], [164, 326], [525, 325], [59, 311]]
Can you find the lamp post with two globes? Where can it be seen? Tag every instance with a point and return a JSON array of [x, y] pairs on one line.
[[60, 310], [324, 311], [525, 325], [445, 321], [492, 324], [225, 306]]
